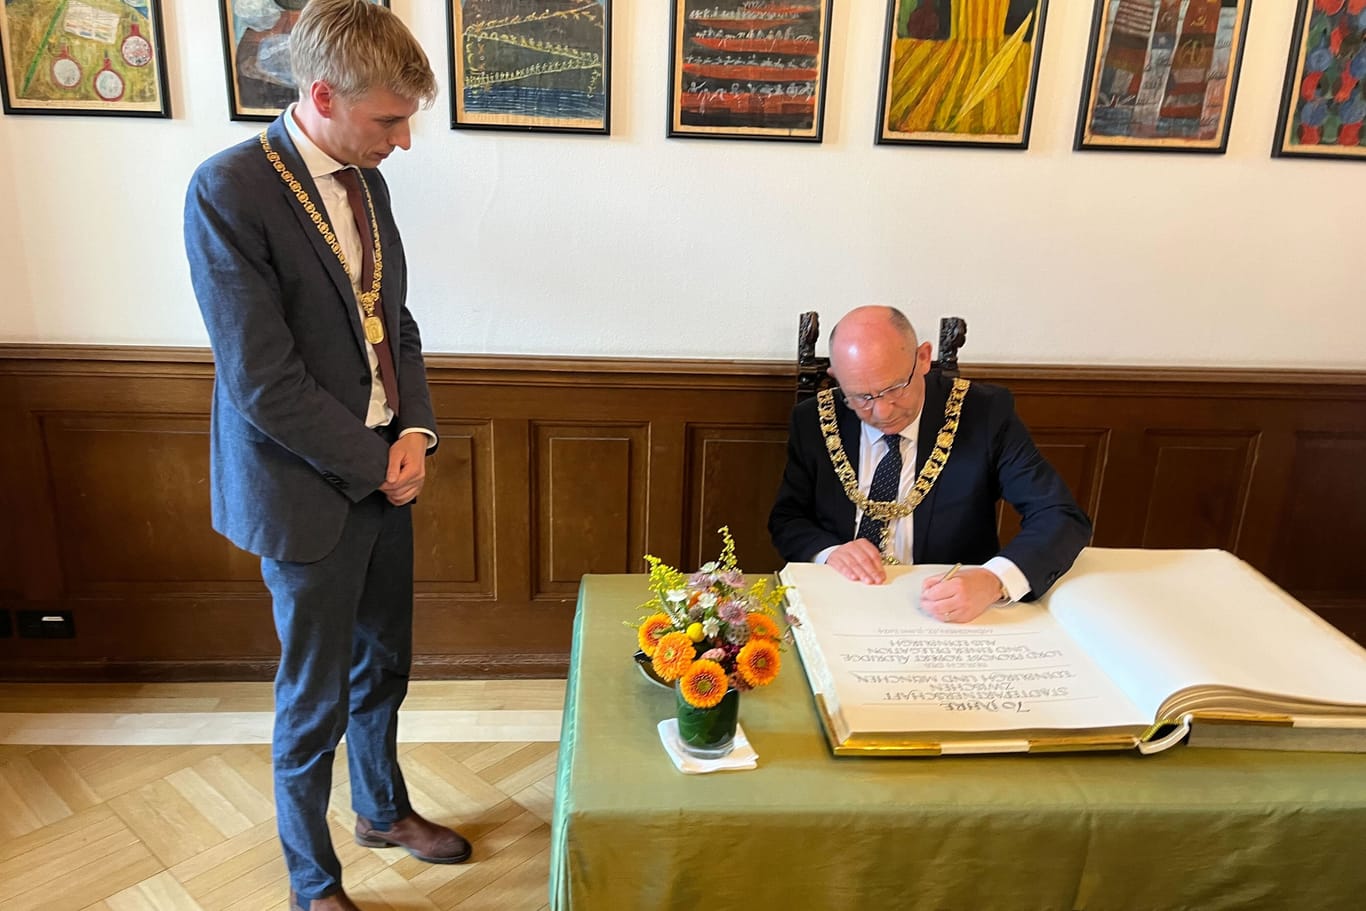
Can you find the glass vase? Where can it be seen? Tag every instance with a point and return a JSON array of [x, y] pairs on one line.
[[708, 733]]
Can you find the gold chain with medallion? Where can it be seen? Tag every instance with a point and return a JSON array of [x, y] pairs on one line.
[[889, 510], [374, 329]]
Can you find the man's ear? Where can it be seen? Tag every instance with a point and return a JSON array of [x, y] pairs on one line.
[[322, 96], [924, 355]]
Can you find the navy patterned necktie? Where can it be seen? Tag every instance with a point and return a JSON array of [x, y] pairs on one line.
[[885, 487]]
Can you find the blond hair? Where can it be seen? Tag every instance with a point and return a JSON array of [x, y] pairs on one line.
[[355, 46]]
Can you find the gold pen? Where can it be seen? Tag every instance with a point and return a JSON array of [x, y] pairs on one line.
[[949, 575]]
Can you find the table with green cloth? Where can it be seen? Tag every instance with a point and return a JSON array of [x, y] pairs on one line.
[[1188, 828]]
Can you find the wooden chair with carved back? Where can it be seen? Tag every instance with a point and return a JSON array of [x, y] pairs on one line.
[[813, 372]]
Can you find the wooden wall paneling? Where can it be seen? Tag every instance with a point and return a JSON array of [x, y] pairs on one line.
[[14, 508], [130, 495], [733, 476], [39, 569], [589, 501], [1322, 539], [1198, 488], [453, 520], [665, 490], [552, 467], [1266, 489], [1120, 504], [513, 533], [1078, 455]]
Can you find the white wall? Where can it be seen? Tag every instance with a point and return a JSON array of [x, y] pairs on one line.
[[16, 303], [638, 245]]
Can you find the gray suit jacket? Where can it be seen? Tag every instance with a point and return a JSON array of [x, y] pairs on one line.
[[289, 443]]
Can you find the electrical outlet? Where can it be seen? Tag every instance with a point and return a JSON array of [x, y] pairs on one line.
[[37, 624]]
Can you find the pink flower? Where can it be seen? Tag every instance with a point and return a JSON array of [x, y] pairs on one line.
[[731, 612]]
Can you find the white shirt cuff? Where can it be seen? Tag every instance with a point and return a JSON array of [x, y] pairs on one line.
[[431, 437], [825, 554], [1016, 585]]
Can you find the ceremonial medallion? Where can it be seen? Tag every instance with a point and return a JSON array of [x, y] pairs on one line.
[[374, 330]]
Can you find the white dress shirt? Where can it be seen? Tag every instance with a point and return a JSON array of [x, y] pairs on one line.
[[321, 167], [871, 450]]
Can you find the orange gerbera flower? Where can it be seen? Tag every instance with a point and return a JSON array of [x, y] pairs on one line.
[[651, 631], [758, 662], [673, 655], [704, 684], [762, 626]]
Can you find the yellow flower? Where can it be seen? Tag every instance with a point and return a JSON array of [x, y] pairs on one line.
[[762, 626], [695, 632], [651, 631], [673, 655], [758, 662], [704, 684]]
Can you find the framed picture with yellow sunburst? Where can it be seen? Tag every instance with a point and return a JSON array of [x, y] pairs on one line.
[[960, 72], [1161, 75]]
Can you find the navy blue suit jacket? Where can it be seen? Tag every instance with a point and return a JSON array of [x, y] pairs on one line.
[[289, 444], [993, 458]]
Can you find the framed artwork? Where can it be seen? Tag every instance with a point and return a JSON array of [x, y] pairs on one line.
[[83, 57], [531, 65], [256, 55], [960, 72], [1324, 102], [1161, 75], [749, 69]]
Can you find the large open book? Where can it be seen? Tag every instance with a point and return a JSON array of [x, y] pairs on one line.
[[1131, 648]]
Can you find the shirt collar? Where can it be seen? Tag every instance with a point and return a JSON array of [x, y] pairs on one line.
[[318, 162], [871, 434]]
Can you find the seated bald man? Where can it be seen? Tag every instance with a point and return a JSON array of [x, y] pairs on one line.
[[901, 465]]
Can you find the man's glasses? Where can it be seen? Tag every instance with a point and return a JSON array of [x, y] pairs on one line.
[[866, 399]]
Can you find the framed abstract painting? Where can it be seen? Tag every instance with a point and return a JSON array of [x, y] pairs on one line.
[[256, 55], [1324, 102], [1161, 75], [531, 65], [749, 69], [960, 72], [83, 57]]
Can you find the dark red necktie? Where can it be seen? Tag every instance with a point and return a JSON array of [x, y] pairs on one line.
[[349, 178]]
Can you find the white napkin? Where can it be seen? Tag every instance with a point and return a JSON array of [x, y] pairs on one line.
[[741, 757]]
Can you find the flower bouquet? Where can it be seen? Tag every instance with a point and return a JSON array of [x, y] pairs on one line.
[[712, 637]]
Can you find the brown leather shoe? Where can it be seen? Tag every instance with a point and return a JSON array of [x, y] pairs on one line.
[[424, 840], [337, 901]]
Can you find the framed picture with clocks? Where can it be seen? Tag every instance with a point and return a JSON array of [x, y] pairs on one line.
[[83, 57]]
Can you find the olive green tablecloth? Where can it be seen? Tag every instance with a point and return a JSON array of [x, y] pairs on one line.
[[1188, 828]]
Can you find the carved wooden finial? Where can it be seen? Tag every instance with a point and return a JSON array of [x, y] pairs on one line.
[[953, 333], [813, 373]]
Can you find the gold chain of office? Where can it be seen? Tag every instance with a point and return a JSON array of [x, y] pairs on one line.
[[887, 510], [374, 329]]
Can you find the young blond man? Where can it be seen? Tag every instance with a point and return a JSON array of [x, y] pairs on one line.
[[322, 421]]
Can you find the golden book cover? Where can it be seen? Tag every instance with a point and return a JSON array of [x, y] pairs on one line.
[[1131, 649]]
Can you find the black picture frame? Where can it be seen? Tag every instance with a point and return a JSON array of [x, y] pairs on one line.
[[1022, 43], [86, 60], [709, 41], [555, 75], [256, 63], [1317, 126], [1164, 125]]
